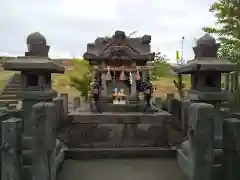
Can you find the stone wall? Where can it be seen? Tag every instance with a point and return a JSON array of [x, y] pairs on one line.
[[179, 109], [118, 130]]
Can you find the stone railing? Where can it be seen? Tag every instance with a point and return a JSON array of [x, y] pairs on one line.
[[179, 110], [11, 133], [198, 157], [196, 154], [36, 154]]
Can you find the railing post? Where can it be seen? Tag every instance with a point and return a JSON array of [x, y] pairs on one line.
[[58, 101], [231, 149], [226, 82], [11, 146], [201, 141], [77, 102], [170, 96], [65, 103]]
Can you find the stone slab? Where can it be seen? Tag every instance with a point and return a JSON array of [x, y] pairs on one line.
[[126, 152], [120, 118], [124, 169]]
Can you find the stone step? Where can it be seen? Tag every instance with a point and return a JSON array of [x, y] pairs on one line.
[[12, 89], [11, 101], [12, 106], [15, 82], [10, 96], [109, 107], [120, 118], [13, 86], [122, 152], [17, 92]]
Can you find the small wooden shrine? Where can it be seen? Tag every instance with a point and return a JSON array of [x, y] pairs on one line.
[[119, 64]]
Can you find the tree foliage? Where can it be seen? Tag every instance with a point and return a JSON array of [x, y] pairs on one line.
[[161, 66], [5, 58], [227, 13], [81, 78]]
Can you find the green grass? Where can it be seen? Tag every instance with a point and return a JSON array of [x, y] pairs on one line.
[[4, 76], [165, 85]]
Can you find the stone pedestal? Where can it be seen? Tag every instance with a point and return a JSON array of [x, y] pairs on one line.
[[30, 98]]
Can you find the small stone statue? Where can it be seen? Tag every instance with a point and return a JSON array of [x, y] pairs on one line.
[[148, 90], [95, 97], [96, 93], [141, 82], [147, 96]]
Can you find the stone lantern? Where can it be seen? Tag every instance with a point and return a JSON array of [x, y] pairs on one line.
[[205, 70], [36, 69]]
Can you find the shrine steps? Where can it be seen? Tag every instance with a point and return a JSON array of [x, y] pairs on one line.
[[119, 153], [11, 93], [119, 118], [123, 163], [121, 169], [109, 107]]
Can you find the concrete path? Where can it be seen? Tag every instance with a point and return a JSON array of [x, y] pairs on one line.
[[121, 169]]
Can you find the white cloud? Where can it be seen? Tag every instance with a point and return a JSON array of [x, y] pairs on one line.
[[75, 9], [69, 25]]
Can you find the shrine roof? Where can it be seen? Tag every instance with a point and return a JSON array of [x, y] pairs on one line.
[[120, 47], [33, 64], [205, 64]]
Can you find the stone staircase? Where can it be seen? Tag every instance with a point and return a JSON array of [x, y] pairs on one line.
[[11, 93]]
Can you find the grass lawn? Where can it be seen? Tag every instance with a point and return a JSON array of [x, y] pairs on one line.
[[62, 85], [4, 76], [165, 85]]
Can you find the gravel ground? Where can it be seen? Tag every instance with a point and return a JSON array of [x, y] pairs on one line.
[[121, 169]]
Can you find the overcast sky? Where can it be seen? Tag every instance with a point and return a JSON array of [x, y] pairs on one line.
[[69, 25]]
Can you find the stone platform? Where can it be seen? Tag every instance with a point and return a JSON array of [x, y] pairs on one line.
[[120, 118], [103, 130], [121, 169], [109, 107], [119, 153]]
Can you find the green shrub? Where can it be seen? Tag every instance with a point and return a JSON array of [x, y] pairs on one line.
[[80, 78]]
